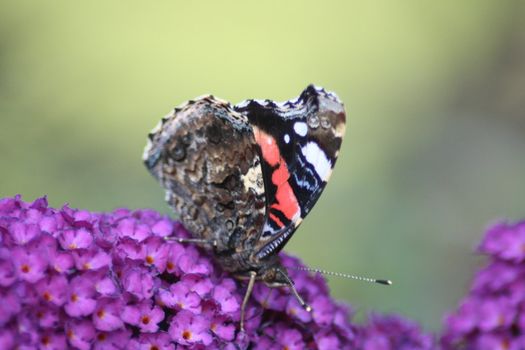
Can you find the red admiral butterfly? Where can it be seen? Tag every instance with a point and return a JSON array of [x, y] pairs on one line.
[[242, 178]]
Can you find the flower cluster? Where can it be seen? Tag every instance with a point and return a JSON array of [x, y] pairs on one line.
[[76, 279], [492, 316], [392, 332]]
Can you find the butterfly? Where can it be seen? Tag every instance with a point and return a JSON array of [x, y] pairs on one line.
[[242, 178]]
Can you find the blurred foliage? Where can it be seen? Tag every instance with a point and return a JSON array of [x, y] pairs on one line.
[[434, 94]]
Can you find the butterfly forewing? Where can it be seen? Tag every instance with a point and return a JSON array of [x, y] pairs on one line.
[[299, 141]]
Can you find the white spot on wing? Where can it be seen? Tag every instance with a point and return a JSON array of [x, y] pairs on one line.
[[287, 138], [315, 156], [300, 128]]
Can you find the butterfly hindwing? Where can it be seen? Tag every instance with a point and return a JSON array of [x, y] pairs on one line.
[[206, 157]]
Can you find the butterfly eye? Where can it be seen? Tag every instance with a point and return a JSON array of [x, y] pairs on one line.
[[325, 123], [313, 121], [178, 153]]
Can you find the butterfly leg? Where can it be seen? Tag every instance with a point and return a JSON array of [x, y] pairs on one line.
[[251, 282]]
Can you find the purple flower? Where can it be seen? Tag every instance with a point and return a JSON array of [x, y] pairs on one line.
[[505, 241], [144, 315], [225, 299], [52, 341], [22, 232], [163, 227], [295, 310], [80, 334], [29, 263], [108, 314], [180, 297], [91, 259], [491, 316], [392, 332], [8, 273], [327, 341], [62, 262], [222, 327], [270, 298], [7, 338], [117, 340], [191, 263], [289, 338], [175, 251], [323, 310], [156, 253], [160, 341], [81, 300], [75, 239], [187, 329], [47, 317], [9, 307], [201, 286], [138, 281], [53, 289], [130, 227]]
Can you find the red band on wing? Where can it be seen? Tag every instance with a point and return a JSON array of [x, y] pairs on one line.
[[268, 146], [285, 200]]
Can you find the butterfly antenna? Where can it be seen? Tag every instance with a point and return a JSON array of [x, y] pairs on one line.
[[344, 275]]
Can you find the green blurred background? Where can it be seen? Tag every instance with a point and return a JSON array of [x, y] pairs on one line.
[[435, 96]]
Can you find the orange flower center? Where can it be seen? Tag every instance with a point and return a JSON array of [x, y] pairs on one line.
[[101, 313], [70, 334], [154, 347], [101, 337], [74, 297], [170, 265], [145, 319], [149, 259], [45, 340], [186, 335], [47, 296], [25, 268]]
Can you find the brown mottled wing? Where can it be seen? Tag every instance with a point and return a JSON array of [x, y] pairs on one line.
[[204, 154]]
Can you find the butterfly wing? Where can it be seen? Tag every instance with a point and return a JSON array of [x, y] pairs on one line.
[[299, 141], [205, 156]]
